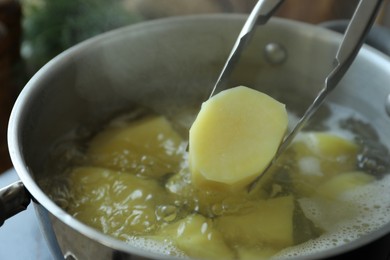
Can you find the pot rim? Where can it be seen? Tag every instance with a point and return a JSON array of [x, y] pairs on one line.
[[29, 91]]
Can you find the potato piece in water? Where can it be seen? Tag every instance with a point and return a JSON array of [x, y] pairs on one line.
[[343, 182], [196, 236], [209, 203], [269, 223], [234, 137], [148, 147], [320, 156], [115, 202], [260, 253]]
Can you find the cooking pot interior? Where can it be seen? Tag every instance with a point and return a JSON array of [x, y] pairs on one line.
[[174, 65], [171, 66], [165, 68]]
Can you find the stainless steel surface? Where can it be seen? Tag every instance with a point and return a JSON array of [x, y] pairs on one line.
[[275, 53], [262, 11], [92, 81], [387, 104]]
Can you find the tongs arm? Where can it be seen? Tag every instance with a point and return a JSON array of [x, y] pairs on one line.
[[260, 14], [357, 30]]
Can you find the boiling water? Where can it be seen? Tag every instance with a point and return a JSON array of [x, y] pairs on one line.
[[370, 204], [358, 212]]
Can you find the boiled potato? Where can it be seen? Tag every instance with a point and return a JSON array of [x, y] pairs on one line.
[[320, 156], [270, 222], [343, 182], [196, 236], [257, 253], [148, 147], [234, 138], [115, 202], [207, 202]]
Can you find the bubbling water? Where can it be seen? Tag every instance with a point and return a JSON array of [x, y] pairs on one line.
[[164, 247], [355, 213], [361, 211], [371, 211]]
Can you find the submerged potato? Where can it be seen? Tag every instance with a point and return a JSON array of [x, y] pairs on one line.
[[125, 187], [197, 230], [320, 156], [256, 253], [343, 182], [269, 222], [234, 137], [207, 202], [114, 202], [148, 147]]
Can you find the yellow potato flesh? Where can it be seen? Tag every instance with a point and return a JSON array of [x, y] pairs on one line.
[[206, 202], [320, 156], [148, 147], [262, 253], [197, 230], [270, 222], [116, 203], [234, 138], [343, 182]]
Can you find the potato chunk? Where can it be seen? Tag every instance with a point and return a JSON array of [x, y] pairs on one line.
[[148, 147], [343, 182], [209, 203], [196, 236], [115, 202], [270, 223], [234, 137], [320, 156], [259, 253]]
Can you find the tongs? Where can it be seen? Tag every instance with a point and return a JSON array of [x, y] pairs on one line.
[[354, 36]]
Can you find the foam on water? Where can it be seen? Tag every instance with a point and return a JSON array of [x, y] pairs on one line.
[[164, 247], [359, 212]]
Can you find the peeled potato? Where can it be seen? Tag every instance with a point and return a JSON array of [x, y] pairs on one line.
[[270, 222], [234, 137], [325, 145], [149, 147], [262, 253], [321, 155], [196, 236], [115, 202], [343, 182]]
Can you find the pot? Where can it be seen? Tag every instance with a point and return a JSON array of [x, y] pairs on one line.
[[170, 65]]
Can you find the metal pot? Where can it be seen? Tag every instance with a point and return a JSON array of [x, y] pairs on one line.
[[169, 65]]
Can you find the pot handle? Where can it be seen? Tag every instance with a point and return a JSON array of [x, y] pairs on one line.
[[378, 37], [14, 198]]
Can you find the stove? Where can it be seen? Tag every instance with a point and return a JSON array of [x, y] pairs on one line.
[[22, 239]]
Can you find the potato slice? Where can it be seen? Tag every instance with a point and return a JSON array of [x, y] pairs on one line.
[[234, 137], [148, 146], [269, 223], [196, 236]]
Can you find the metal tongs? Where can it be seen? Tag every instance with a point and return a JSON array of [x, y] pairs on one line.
[[359, 26]]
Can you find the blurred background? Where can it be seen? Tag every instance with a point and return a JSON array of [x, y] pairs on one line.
[[34, 31]]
